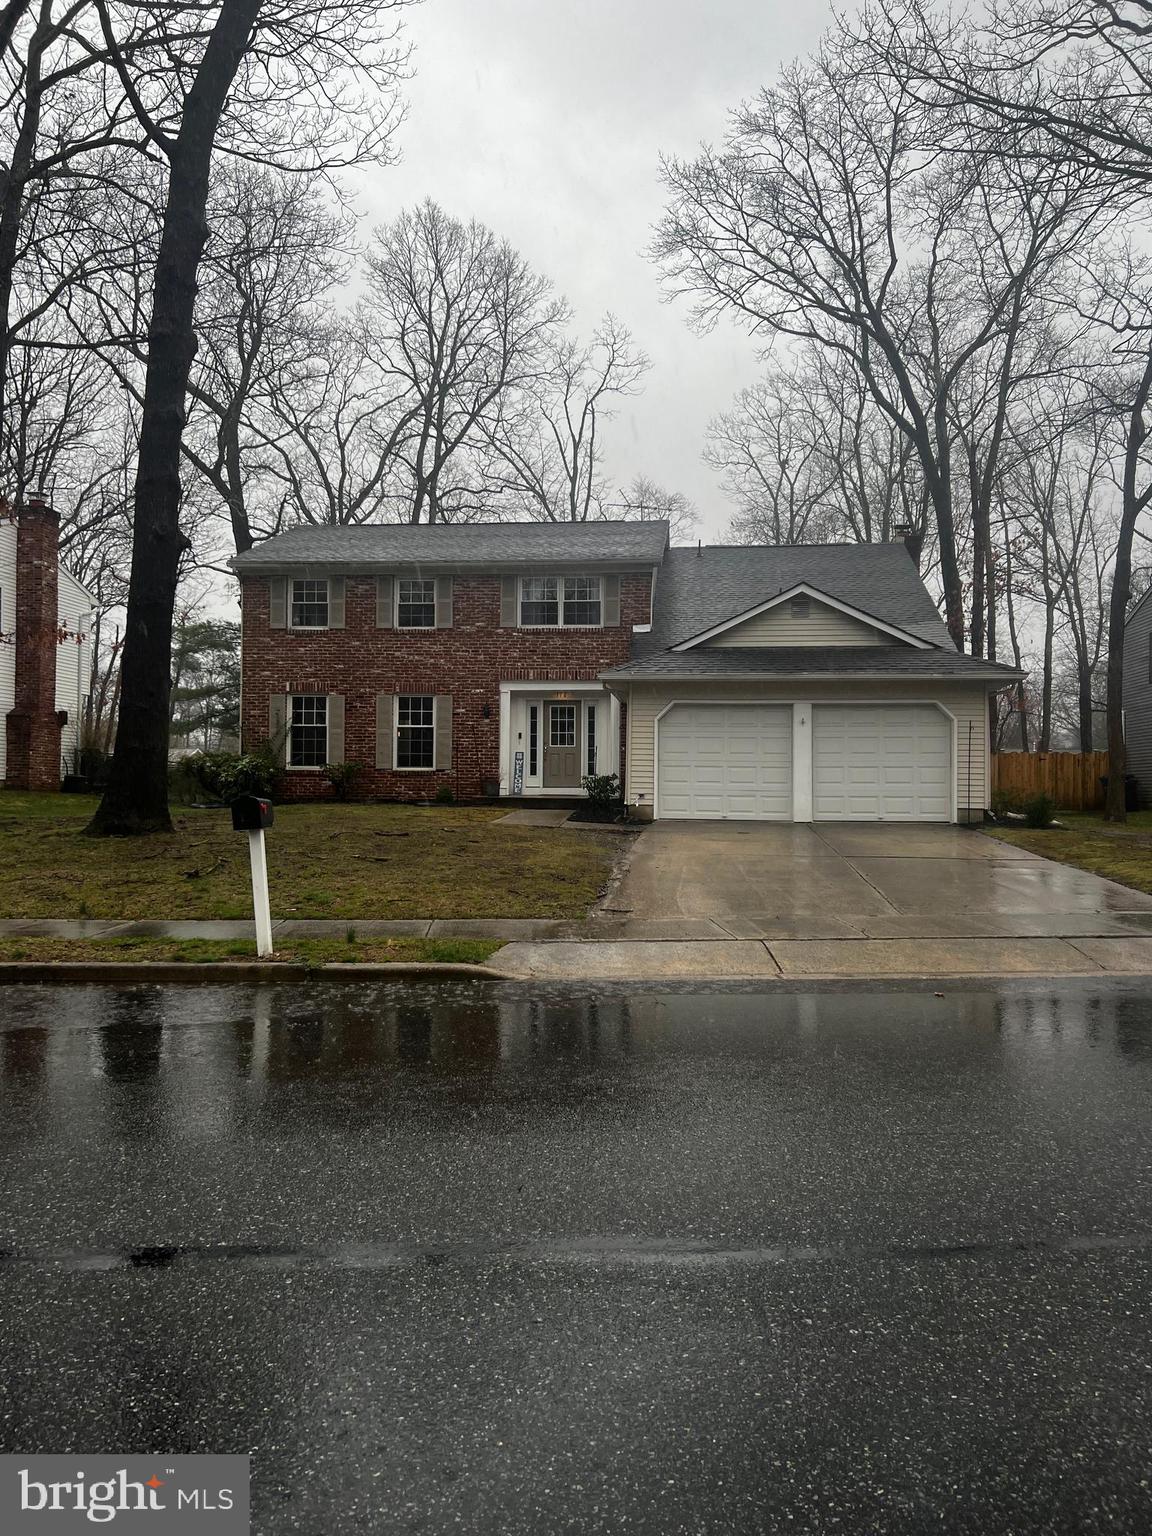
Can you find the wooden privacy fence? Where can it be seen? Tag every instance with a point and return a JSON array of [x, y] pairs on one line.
[[1071, 778]]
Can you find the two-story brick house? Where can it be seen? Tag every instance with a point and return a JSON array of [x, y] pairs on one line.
[[807, 684], [462, 656]]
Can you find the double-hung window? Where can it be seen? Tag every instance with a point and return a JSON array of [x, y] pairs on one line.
[[540, 600], [309, 604], [582, 600], [308, 731], [415, 604], [552, 601], [415, 731]]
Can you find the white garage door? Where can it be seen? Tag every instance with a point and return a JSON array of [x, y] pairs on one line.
[[729, 761], [881, 762]]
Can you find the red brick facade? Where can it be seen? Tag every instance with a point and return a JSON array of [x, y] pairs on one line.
[[468, 660], [34, 724]]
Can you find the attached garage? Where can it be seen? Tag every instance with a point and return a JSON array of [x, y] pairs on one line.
[[731, 762], [881, 762], [818, 761]]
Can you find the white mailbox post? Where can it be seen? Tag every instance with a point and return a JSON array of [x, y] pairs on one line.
[[251, 814]]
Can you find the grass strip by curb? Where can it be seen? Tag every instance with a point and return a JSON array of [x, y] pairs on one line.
[[301, 955]]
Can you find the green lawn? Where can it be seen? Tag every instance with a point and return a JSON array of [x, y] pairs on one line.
[[312, 952], [324, 861], [1118, 852]]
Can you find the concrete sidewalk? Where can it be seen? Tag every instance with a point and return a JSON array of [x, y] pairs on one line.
[[756, 947]]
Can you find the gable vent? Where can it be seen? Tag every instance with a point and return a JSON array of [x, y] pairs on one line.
[[801, 606]]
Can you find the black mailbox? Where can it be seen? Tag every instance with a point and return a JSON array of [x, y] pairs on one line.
[[250, 813]]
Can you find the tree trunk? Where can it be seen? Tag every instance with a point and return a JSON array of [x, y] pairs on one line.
[[1132, 505], [13, 182], [136, 800]]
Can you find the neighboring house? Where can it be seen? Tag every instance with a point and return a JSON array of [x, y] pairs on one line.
[[797, 684], [45, 653], [1138, 695]]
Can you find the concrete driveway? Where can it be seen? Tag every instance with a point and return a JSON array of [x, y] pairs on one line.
[[761, 879]]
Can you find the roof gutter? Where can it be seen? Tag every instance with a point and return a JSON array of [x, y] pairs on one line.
[[1005, 677]]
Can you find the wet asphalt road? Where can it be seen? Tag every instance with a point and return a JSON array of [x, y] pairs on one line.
[[533, 1260]]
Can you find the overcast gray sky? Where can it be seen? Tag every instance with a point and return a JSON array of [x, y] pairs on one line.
[[546, 121]]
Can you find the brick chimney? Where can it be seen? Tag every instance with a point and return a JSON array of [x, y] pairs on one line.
[[34, 725], [911, 538]]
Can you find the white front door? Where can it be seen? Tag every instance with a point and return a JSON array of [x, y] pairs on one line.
[[728, 762], [881, 762]]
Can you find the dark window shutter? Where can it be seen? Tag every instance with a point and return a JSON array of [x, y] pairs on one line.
[[335, 727], [385, 605], [610, 607], [278, 602], [443, 602], [509, 602], [278, 725], [443, 730], [335, 604], [385, 736]]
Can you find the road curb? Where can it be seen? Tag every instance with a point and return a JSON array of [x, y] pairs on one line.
[[73, 971]]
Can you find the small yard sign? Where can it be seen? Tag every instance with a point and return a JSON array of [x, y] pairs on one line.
[[518, 774]]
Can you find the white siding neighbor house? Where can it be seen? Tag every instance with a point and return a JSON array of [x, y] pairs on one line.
[[1138, 696]]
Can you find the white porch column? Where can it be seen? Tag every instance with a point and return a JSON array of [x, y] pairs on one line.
[[505, 739], [802, 761]]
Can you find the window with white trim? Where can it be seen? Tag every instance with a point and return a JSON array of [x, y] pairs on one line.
[[309, 603], [308, 730], [415, 604], [540, 600], [415, 731], [582, 601], [571, 602]]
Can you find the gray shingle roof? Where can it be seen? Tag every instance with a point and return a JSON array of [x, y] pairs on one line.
[[808, 661], [452, 546], [697, 591]]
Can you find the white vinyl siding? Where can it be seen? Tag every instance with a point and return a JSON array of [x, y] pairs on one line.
[[881, 762], [73, 663], [967, 702], [729, 762], [823, 626], [1138, 697], [7, 627]]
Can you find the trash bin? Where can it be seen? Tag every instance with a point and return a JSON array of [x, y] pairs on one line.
[[1131, 791]]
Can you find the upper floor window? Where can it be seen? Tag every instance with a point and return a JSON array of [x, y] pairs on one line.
[[539, 600], [308, 731], [550, 601], [582, 600], [415, 604], [309, 604]]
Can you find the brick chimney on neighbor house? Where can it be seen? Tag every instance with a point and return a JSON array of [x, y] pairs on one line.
[[911, 538], [34, 724]]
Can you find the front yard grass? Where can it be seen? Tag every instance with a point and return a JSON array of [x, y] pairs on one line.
[[324, 861], [1120, 852], [310, 952]]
